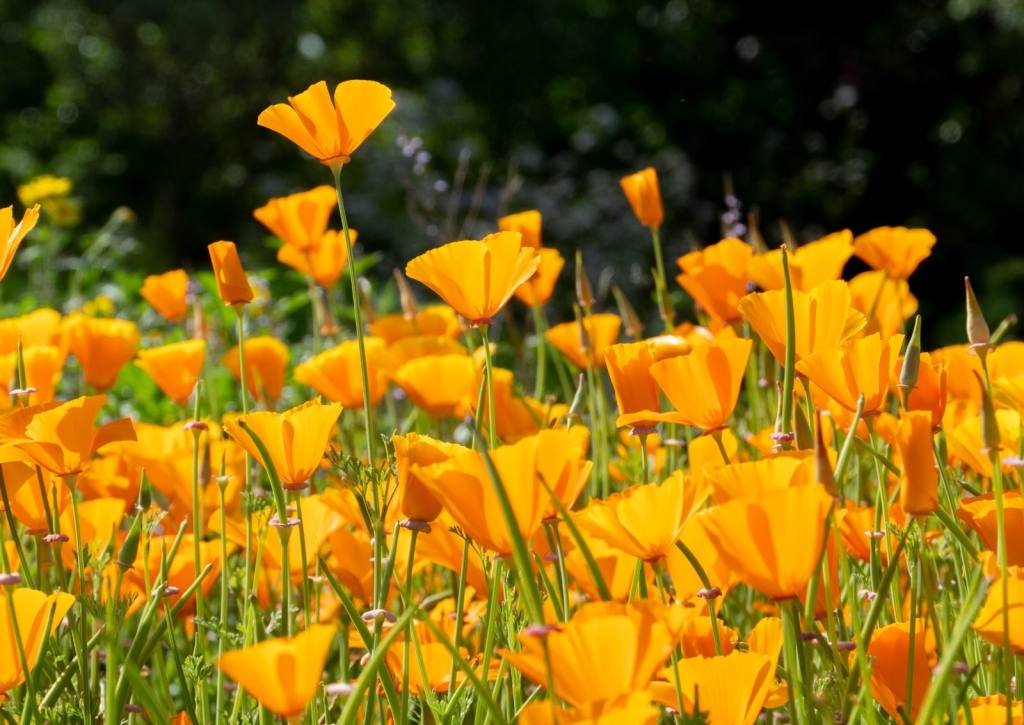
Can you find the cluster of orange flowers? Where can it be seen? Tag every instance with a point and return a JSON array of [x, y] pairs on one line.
[[794, 508]]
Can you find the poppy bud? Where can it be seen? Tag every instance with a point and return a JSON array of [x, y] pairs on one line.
[[584, 292], [578, 401], [145, 493], [634, 327], [364, 294], [822, 465], [977, 328], [406, 296], [130, 547], [911, 361], [644, 195], [989, 426], [802, 430], [232, 283]]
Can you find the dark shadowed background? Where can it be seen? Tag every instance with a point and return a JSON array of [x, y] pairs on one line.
[[898, 113]]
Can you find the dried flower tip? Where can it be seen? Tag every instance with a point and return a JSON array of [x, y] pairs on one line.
[[375, 614], [9, 580], [339, 689], [674, 442], [414, 525], [123, 565], [56, 538], [867, 595], [710, 593], [295, 486], [196, 425], [222, 480], [540, 630], [133, 708], [277, 522]]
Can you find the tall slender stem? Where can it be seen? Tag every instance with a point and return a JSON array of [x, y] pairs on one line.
[[790, 371], [660, 263], [492, 433]]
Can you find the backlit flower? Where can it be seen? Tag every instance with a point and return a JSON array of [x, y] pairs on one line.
[[991, 710], [324, 261], [890, 646], [12, 233], [102, 346], [232, 282], [979, 512], [438, 383], [930, 393], [636, 392], [853, 368], [516, 415], [809, 264], [919, 482], [644, 196], [716, 277], [99, 519], [335, 374], [896, 249], [414, 451], [634, 709], [408, 349], [430, 320], [44, 365], [266, 360], [989, 621], [750, 478], [730, 690], [31, 608], [299, 220], [889, 298], [39, 327], [586, 346], [538, 288], [168, 293], [526, 223], [175, 367]]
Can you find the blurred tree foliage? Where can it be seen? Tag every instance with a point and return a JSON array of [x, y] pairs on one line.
[[852, 115]]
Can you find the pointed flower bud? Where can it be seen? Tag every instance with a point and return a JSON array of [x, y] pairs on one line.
[[802, 430], [130, 547], [977, 328], [584, 292], [822, 465], [912, 360], [634, 327], [406, 296]]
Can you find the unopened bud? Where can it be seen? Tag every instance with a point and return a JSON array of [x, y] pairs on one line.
[[911, 360], [145, 492], [405, 296], [634, 327], [977, 328], [584, 292], [130, 547]]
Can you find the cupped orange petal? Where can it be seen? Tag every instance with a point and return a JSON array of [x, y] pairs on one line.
[[716, 277], [438, 383], [232, 282], [168, 293], [324, 261], [585, 342], [299, 220], [175, 367], [266, 360], [336, 375], [11, 234], [896, 249], [644, 195], [527, 223], [538, 288]]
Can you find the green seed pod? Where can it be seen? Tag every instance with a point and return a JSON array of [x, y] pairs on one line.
[[145, 493], [634, 327], [130, 547], [584, 292]]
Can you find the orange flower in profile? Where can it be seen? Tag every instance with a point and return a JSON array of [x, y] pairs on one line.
[[60, 436], [438, 383], [538, 288], [282, 674], [979, 512], [299, 220], [645, 521], [476, 278], [890, 646], [705, 385], [989, 621], [31, 608], [266, 359], [168, 293], [330, 131], [527, 223], [823, 317], [175, 367], [562, 464], [439, 320], [408, 349], [102, 346], [809, 264], [12, 233], [44, 365], [644, 196], [335, 373], [296, 439], [852, 368], [412, 452], [99, 518], [516, 416], [324, 261], [772, 541], [919, 482], [889, 298], [730, 690], [636, 392], [40, 327], [232, 283], [585, 346], [716, 277], [897, 249], [930, 393]]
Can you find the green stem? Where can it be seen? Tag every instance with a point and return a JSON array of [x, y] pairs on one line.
[[790, 371], [492, 433], [702, 575], [461, 596], [542, 349], [660, 264]]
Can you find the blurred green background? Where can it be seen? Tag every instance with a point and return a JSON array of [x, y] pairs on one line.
[[850, 115]]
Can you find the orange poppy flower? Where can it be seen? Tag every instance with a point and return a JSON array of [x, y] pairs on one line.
[[99, 519], [634, 709], [705, 385], [175, 367], [644, 196], [809, 265], [966, 445], [641, 634], [562, 464], [890, 646], [538, 288], [823, 317], [14, 233], [991, 710], [979, 512], [408, 349], [516, 416], [930, 393], [282, 674], [856, 530], [31, 608], [636, 392], [438, 383], [44, 366], [989, 621], [430, 320], [336, 375], [716, 277], [684, 579], [266, 360], [853, 368], [299, 220], [731, 690], [27, 501], [526, 223], [896, 249], [476, 278], [889, 298], [232, 282], [296, 439], [330, 131], [168, 293], [40, 327], [324, 261], [444, 548], [645, 521], [919, 484], [771, 541], [60, 436], [102, 346], [414, 451], [750, 478], [586, 347]]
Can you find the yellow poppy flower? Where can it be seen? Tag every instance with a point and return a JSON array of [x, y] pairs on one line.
[[430, 320], [538, 288], [889, 298], [809, 265], [853, 368], [636, 392], [336, 375], [526, 223], [31, 608], [12, 233], [391, 358], [731, 689], [438, 383], [102, 346], [979, 512], [989, 621], [324, 261]]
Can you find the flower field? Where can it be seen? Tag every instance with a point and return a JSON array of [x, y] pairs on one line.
[[781, 510]]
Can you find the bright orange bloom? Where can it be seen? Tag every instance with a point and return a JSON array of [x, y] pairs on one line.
[[324, 261], [562, 464], [930, 393], [705, 385], [516, 416], [641, 634], [12, 233], [634, 709], [919, 484], [526, 223], [232, 282], [716, 277], [989, 621], [772, 541], [295, 439], [896, 249], [27, 501], [299, 220], [282, 674], [335, 373], [412, 452], [102, 346], [266, 360], [168, 293], [645, 521], [175, 367], [538, 288], [40, 327], [636, 392], [809, 265], [644, 196], [99, 519], [889, 298], [979, 512], [991, 710], [31, 608], [966, 445], [731, 689], [330, 131], [586, 346], [890, 646], [750, 478], [408, 349], [438, 383], [60, 436], [44, 365], [476, 278], [852, 368], [684, 579], [430, 320], [856, 527], [823, 316]]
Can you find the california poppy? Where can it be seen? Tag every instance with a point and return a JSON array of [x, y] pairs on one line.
[[99, 520], [232, 282], [685, 581], [750, 478], [731, 690], [538, 288], [12, 233], [168, 293], [991, 710], [644, 196], [809, 264], [562, 464], [407, 349], [887, 297], [930, 393], [633, 709], [716, 277], [476, 278], [890, 647], [584, 342], [636, 392], [324, 261], [616, 566], [175, 367], [335, 373], [772, 541], [438, 383], [102, 346], [299, 220], [853, 368], [27, 501], [330, 131], [526, 223], [39, 327], [857, 531], [896, 249], [413, 451], [979, 512], [31, 609], [266, 360], [282, 674], [429, 320], [919, 482], [516, 416], [44, 365], [989, 621]]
